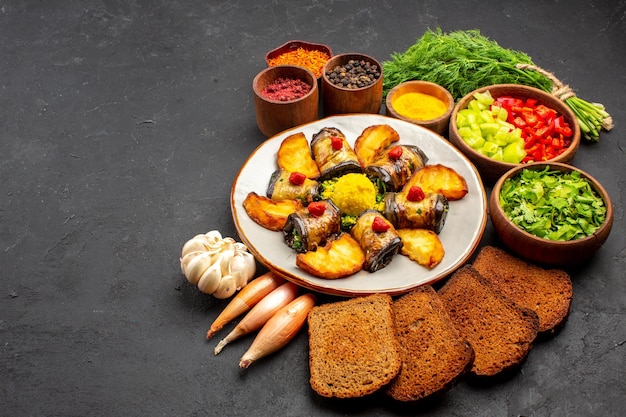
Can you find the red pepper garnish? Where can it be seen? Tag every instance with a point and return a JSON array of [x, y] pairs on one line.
[[336, 142], [395, 153], [297, 178], [379, 225], [415, 194], [316, 208]]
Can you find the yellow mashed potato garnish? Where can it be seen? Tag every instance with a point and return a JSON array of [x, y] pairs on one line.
[[352, 193]]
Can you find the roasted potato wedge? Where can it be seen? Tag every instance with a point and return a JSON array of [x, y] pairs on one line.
[[294, 155], [372, 141], [441, 179], [339, 258], [268, 213], [422, 246]]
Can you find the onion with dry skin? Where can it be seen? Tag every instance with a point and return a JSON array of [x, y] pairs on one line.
[[261, 313], [247, 298], [216, 265], [279, 330]]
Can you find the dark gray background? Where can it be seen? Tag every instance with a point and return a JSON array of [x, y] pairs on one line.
[[122, 127]]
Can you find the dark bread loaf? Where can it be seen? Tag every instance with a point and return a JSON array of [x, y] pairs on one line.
[[432, 351], [500, 332], [353, 350], [548, 292]]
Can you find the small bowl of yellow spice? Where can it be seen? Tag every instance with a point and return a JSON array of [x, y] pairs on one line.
[[422, 103]]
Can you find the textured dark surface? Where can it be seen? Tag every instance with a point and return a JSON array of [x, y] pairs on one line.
[[122, 127]]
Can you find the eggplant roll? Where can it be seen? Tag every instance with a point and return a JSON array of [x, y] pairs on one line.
[[395, 172], [304, 232], [379, 247], [281, 188], [429, 213], [333, 161]]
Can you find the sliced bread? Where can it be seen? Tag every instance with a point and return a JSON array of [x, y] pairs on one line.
[[548, 292], [500, 332], [353, 350], [432, 351]]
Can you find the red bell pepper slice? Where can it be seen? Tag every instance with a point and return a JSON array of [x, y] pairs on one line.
[[545, 112], [531, 102], [529, 116]]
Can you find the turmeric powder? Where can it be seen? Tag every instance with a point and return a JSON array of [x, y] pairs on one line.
[[419, 106]]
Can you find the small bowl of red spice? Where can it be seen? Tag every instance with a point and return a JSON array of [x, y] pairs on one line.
[[312, 56], [286, 89], [285, 96]]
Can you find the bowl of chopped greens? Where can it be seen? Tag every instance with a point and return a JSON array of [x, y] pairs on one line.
[[499, 127], [551, 213]]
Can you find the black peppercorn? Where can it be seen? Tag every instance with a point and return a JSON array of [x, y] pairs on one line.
[[354, 74]]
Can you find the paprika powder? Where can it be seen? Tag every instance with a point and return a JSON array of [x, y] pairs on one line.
[[286, 89]]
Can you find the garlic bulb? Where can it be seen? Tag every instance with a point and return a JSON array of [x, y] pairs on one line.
[[217, 265]]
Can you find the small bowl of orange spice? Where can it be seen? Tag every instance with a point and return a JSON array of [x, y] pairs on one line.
[[422, 103], [312, 56]]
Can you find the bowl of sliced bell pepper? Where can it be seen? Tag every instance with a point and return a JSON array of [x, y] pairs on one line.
[[499, 127]]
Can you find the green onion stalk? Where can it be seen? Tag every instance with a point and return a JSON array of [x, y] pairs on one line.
[[463, 61]]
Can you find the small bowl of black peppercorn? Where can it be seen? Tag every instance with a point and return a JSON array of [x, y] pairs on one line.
[[352, 83]]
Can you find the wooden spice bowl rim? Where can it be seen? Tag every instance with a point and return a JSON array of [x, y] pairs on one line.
[[425, 87], [293, 45], [344, 58], [268, 75]]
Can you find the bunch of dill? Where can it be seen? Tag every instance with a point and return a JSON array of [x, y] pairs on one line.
[[463, 61]]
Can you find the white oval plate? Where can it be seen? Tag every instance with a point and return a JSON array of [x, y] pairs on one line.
[[461, 234]]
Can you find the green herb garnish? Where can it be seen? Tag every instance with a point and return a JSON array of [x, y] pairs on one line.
[[553, 205], [296, 240], [348, 222]]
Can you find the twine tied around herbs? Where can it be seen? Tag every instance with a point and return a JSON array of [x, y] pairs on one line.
[[563, 92], [560, 90]]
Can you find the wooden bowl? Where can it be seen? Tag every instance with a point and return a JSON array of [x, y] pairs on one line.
[[341, 100], [540, 250], [439, 124], [273, 116], [490, 169], [295, 45]]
